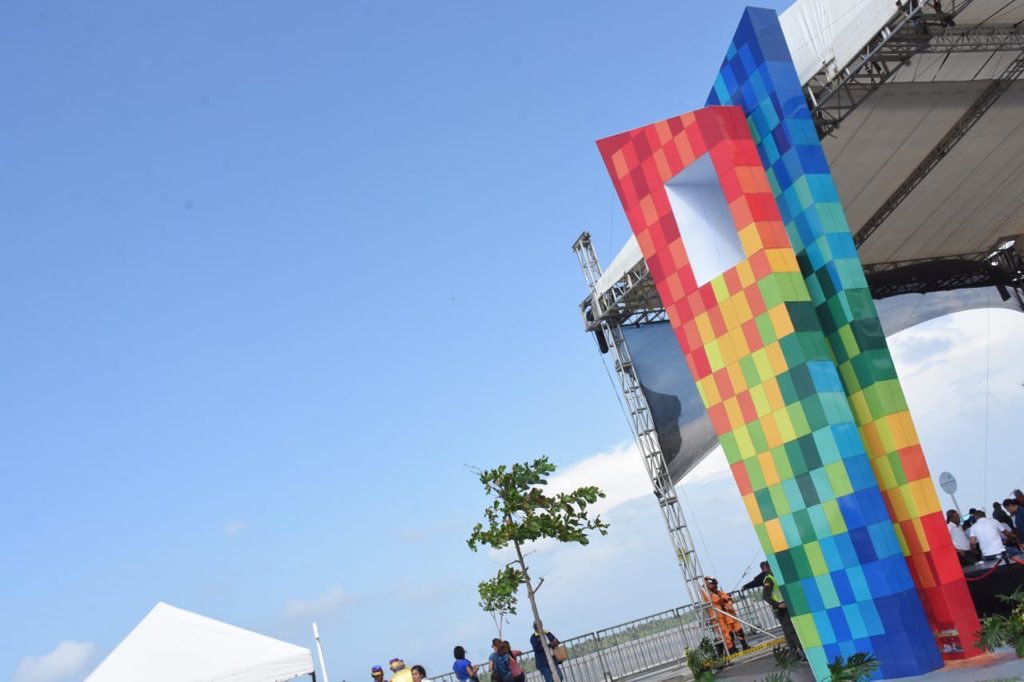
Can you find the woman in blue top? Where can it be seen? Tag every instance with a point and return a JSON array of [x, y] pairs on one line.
[[499, 661], [464, 670]]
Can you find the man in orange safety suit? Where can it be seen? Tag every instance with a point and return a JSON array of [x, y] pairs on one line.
[[724, 614]]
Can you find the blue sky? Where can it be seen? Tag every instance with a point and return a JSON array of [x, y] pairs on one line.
[[273, 273]]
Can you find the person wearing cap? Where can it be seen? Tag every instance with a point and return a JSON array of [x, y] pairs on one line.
[[758, 579], [377, 673], [724, 613], [399, 673], [539, 657], [770, 593]]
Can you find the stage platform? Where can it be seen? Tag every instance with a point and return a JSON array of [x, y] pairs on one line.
[[1002, 665]]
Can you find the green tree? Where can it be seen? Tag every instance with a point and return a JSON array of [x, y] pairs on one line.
[[522, 511], [498, 596]]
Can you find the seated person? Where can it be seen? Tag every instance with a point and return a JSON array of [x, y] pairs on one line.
[[988, 536], [964, 551]]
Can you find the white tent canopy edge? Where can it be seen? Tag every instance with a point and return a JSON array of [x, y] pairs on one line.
[[174, 645]]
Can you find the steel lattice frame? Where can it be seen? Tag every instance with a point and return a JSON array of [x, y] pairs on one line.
[[916, 28], [634, 300]]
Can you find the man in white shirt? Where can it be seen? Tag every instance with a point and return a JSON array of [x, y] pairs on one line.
[[988, 535], [961, 542]]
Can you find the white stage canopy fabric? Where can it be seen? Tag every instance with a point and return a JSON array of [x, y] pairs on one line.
[[827, 34], [174, 645]]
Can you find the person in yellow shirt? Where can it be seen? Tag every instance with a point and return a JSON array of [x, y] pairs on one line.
[[399, 673]]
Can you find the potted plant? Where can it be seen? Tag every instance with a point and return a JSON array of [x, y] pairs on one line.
[[858, 667], [702, 661], [998, 631]]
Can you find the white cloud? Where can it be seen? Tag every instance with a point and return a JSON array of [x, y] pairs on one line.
[[68, 660], [962, 378], [620, 473], [315, 607], [235, 527]]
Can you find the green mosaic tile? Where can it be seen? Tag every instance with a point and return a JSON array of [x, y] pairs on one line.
[[762, 538], [720, 289], [822, 485], [825, 586], [868, 333], [787, 568], [807, 490], [749, 370], [757, 436], [779, 500], [828, 449], [792, 351], [814, 346], [840, 480], [834, 516], [755, 474], [798, 418], [800, 561], [806, 631], [896, 464], [804, 317], [801, 377], [811, 457], [782, 463], [790, 530], [804, 526], [787, 389], [814, 411], [818, 519], [765, 504], [860, 303], [771, 291], [728, 441]]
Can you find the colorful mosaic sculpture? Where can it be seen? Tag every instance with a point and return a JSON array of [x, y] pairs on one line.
[[768, 299], [764, 369], [758, 75]]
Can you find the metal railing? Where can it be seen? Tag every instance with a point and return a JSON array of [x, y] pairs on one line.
[[645, 645]]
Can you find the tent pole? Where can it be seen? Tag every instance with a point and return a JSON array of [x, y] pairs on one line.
[[320, 652]]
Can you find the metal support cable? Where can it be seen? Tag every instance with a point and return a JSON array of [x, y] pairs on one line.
[[981, 105]]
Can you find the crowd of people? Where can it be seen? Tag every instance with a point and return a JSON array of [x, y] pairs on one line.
[[980, 538], [502, 664]]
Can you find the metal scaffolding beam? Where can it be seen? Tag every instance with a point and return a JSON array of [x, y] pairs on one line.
[[1002, 268], [997, 38], [833, 96], [982, 104], [605, 315]]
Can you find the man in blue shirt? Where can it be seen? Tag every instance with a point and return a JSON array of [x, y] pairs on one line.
[[538, 654]]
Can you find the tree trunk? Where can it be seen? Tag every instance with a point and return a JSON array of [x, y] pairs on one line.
[[537, 624]]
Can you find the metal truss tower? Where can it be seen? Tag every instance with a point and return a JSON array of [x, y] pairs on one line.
[[633, 300]]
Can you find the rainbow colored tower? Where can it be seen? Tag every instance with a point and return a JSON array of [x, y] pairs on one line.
[[758, 75], [741, 226]]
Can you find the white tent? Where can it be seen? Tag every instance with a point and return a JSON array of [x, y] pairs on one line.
[[173, 645]]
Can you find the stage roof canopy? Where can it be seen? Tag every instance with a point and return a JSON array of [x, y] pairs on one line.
[[173, 645], [921, 119]]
